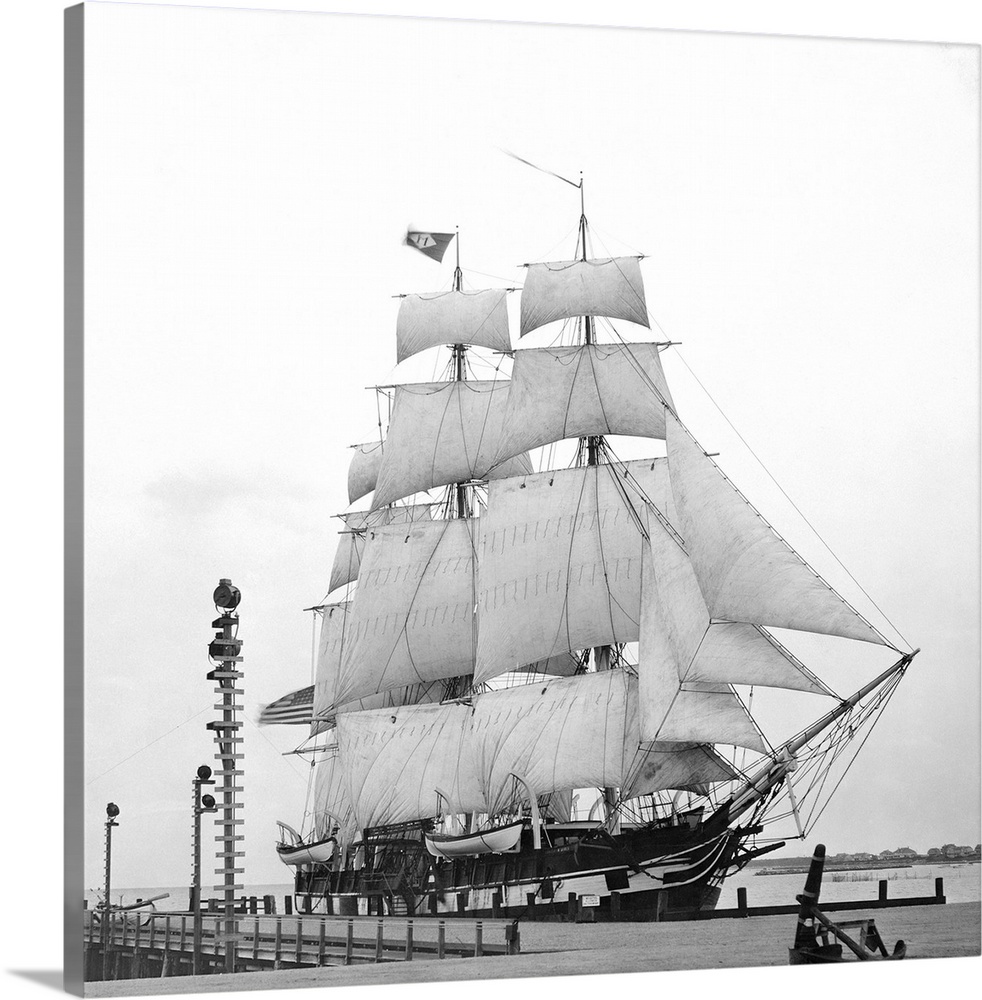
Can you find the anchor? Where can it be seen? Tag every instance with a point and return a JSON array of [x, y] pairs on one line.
[[813, 940]]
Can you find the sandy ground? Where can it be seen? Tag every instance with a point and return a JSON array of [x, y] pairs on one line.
[[553, 949]]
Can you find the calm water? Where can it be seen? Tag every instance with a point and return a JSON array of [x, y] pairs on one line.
[[962, 884]]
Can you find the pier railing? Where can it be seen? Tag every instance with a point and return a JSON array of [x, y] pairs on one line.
[[134, 945]]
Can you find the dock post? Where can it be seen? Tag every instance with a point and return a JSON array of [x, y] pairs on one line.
[[349, 942], [805, 932], [379, 939], [165, 966], [571, 907], [278, 942], [409, 940], [530, 903], [321, 942], [478, 939], [513, 939], [742, 901], [441, 939], [939, 895], [883, 890], [496, 903], [288, 905], [299, 950]]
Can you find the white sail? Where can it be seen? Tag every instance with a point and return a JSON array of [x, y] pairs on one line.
[[441, 433], [561, 562], [351, 543], [578, 732], [746, 571], [672, 709], [566, 392], [476, 318], [609, 287], [658, 766], [571, 732], [331, 805], [412, 620], [706, 651], [363, 470], [334, 626], [394, 760]]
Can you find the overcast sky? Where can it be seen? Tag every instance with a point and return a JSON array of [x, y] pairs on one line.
[[808, 209]]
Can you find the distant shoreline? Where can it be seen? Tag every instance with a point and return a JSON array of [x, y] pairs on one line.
[[799, 866]]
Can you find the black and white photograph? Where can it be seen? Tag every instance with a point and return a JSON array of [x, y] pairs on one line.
[[522, 503]]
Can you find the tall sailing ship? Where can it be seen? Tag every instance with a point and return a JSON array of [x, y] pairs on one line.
[[528, 683]]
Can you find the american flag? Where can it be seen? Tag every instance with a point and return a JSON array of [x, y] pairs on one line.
[[294, 709]]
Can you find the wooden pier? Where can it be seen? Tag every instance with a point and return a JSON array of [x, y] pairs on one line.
[[136, 946]]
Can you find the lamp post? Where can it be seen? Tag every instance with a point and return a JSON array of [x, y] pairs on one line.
[[224, 651], [112, 811], [200, 804]]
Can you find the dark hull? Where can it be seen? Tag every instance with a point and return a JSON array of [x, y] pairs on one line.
[[661, 873]]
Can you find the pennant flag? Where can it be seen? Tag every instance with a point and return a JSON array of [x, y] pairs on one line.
[[434, 245], [294, 709]]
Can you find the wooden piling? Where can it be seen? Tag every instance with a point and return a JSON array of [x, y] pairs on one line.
[[478, 940], [349, 942], [742, 900], [441, 939], [379, 940], [883, 890], [409, 940], [299, 949], [288, 905], [277, 942], [939, 890], [572, 907]]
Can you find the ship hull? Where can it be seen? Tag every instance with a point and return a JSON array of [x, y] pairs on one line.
[[638, 875]]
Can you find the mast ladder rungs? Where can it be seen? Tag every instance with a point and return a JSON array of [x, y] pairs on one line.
[[229, 690], [223, 773], [231, 836], [230, 854], [230, 871]]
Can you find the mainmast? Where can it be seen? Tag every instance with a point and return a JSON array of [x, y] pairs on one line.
[[593, 444], [461, 507]]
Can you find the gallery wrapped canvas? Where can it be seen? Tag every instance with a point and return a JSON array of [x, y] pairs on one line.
[[529, 658]]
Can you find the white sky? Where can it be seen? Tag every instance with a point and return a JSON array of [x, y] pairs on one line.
[[808, 208]]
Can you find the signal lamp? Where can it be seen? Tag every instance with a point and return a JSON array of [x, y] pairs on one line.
[[227, 596]]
